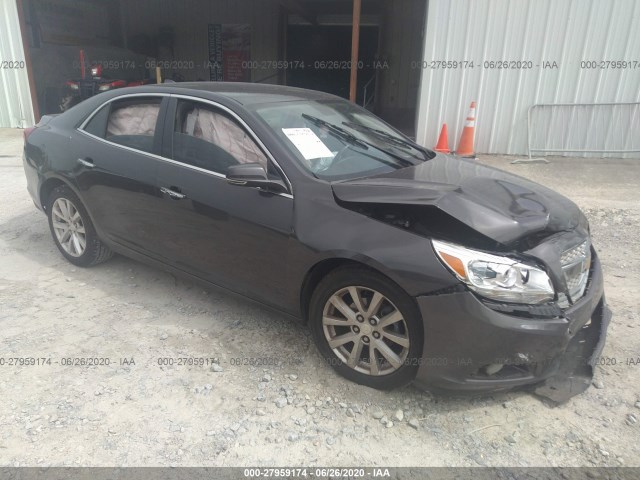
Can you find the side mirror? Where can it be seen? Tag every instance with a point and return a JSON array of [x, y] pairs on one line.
[[253, 175]]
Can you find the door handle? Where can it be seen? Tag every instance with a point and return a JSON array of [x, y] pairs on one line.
[[86, 162], [172, 193]]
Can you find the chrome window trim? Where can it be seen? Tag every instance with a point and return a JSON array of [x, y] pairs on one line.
[[255, 138], [153, 155]]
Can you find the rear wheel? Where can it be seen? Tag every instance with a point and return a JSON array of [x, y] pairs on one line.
[[367, 328], [72, 229]]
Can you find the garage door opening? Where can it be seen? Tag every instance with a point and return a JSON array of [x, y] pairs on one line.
[[328, 64], [259, 41], [390, 42]]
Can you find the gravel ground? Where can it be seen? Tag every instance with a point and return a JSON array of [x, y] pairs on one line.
[[228, 412]]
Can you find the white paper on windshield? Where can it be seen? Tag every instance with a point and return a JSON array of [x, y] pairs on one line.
[[307, 143]]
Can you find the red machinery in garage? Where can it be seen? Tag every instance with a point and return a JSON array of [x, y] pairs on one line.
[[89, 85]]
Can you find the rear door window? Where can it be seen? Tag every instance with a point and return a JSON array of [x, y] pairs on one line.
[[128, 122]]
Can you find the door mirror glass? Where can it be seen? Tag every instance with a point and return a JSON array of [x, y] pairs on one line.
[[253, 175]]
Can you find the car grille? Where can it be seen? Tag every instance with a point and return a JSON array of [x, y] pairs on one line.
[[575, 265]]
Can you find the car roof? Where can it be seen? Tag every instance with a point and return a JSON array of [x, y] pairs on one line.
[[249, 93]]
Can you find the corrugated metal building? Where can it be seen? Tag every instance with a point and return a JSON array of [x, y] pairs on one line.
[[16, 109], [550, 39]]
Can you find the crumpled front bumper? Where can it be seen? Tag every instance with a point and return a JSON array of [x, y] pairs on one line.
[[466, 341]]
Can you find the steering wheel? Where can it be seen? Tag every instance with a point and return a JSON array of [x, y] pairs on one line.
[[335, 167]]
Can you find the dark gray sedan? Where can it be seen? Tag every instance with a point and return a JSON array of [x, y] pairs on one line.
[[407, 265]]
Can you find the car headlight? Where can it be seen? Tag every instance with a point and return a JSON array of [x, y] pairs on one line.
[[496, 277]]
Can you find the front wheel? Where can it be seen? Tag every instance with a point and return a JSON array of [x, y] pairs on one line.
[[367, 328], [72, 229]]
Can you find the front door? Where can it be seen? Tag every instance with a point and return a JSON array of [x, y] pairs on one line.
[[237, 237]]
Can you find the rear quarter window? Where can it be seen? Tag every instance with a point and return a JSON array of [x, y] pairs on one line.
[[98, 124]]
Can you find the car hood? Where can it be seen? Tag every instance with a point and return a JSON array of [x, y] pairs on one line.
[[499, 205]]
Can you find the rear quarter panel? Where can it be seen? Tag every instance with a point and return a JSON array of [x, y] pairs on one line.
[[47, 156]]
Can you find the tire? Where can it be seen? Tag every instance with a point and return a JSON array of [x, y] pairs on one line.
[[79, 243], [328, 322]]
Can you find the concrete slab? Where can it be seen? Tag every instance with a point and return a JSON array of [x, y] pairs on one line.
[[11, 142]]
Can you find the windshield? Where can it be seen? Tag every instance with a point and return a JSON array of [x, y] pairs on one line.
[[337, 140]]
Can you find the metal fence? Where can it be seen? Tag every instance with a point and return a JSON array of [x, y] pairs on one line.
[[582, 128]]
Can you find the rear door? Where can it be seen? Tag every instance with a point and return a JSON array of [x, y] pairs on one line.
[[234, 236], [117, 153]]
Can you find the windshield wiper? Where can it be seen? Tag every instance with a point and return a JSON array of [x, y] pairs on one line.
[[390, 138], [340, 132]]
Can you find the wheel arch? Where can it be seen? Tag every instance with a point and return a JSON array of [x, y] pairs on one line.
[[322, 268], [54, 182], [48, 186]]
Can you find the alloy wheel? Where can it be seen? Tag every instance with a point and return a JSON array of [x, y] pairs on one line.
[[69, 227], [366, 330]]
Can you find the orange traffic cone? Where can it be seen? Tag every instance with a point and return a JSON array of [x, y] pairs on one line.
[[465, 147], [443, 141]]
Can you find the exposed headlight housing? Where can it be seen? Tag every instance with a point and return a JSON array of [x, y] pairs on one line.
[[495, 277]]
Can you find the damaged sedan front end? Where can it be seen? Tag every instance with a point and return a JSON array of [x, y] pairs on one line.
[[530, 306], [515, 344]]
